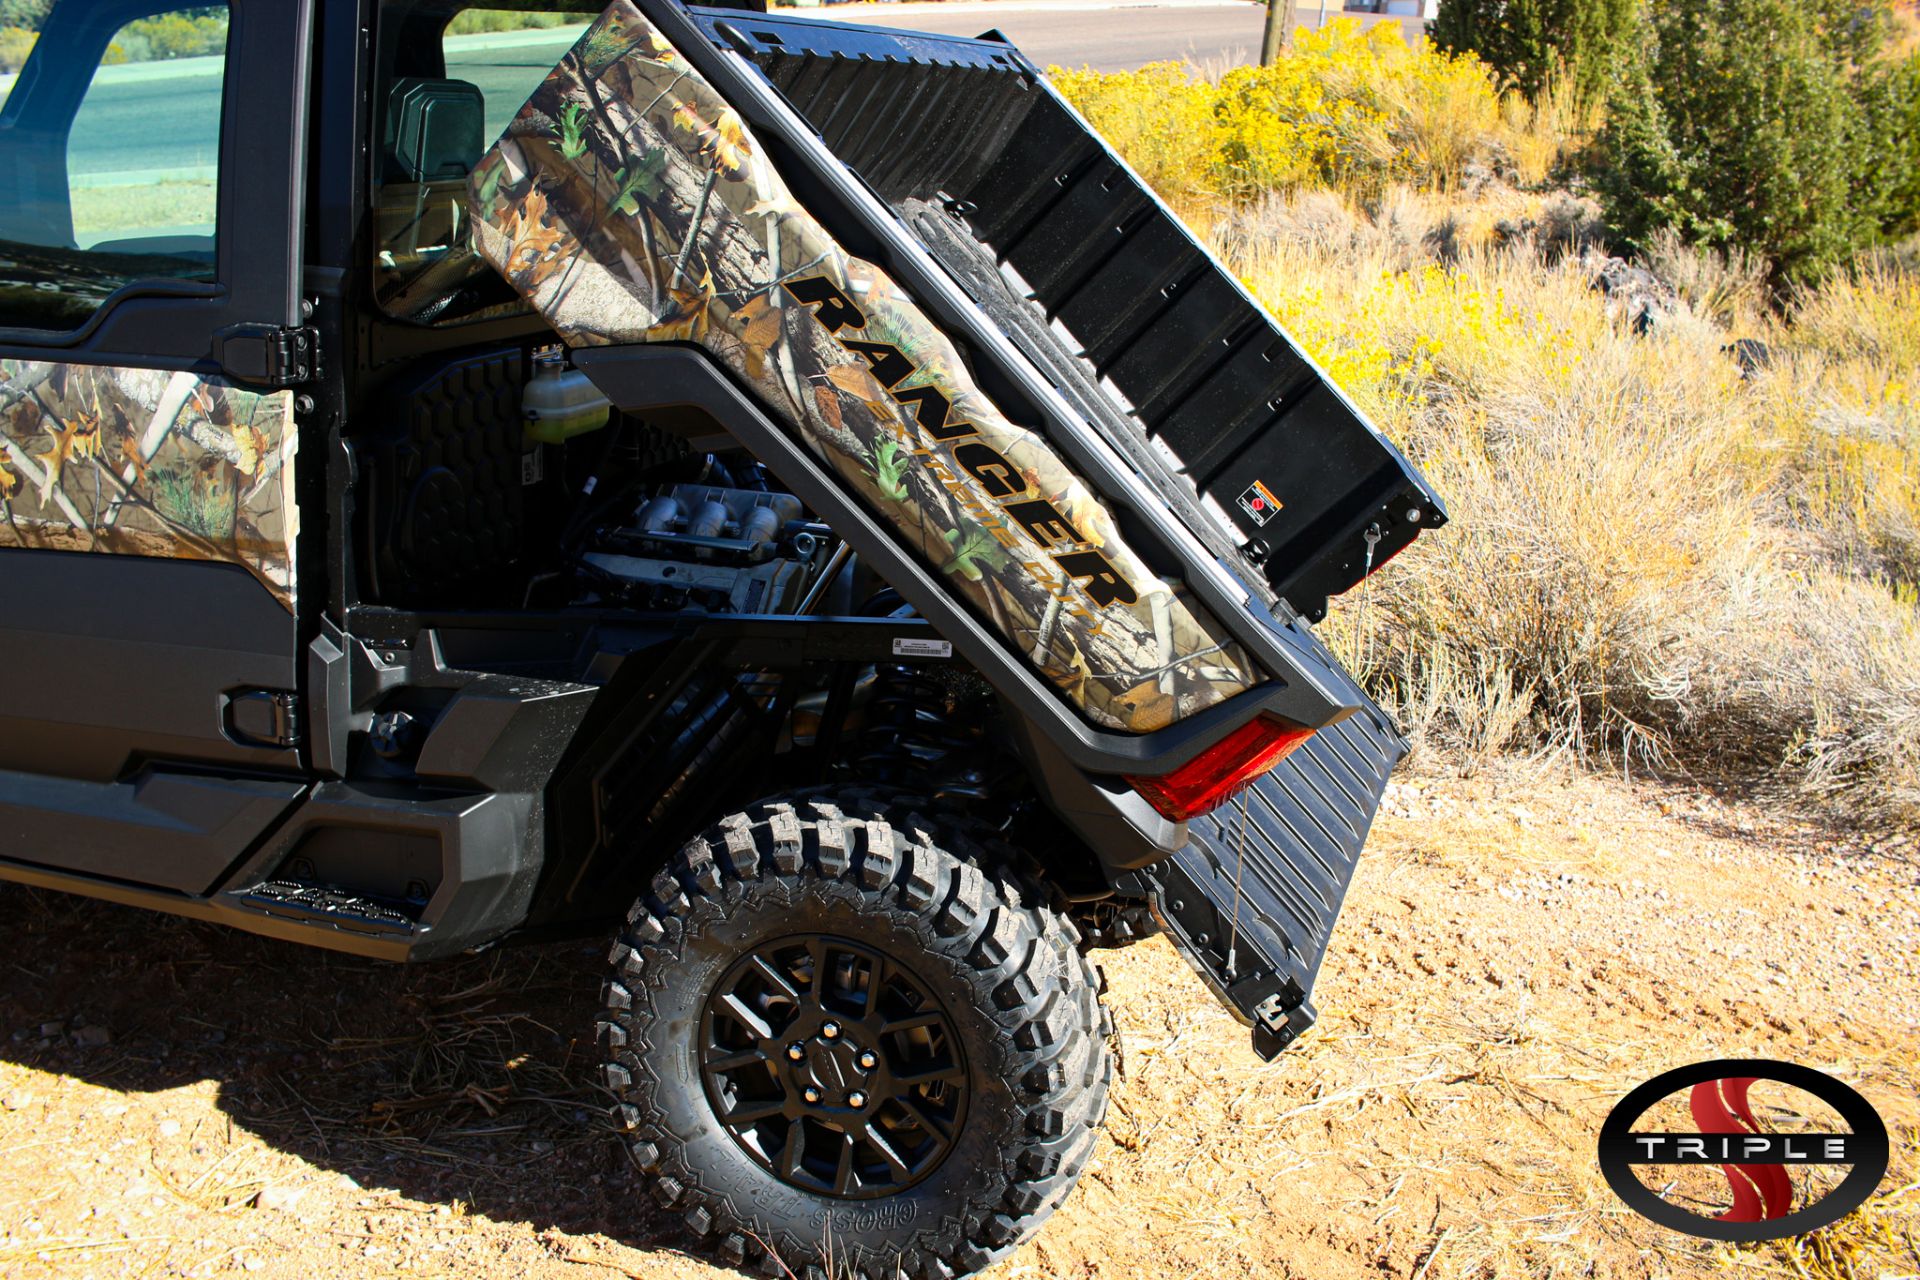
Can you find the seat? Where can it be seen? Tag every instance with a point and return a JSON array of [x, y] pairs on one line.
[[435, 133]]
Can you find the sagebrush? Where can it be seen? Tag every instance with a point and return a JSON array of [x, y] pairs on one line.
[[1347, 107]]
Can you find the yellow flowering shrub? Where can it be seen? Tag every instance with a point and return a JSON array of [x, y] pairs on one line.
[[1281, 127], [1347, 107], [16, 44], [1160, 118]]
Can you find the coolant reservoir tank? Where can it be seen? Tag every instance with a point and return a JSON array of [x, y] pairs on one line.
[[561, 402]]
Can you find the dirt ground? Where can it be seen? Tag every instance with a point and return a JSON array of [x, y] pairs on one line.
[[1519, 951]]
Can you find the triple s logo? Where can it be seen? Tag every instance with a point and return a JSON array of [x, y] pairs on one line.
[[1768, 1201]]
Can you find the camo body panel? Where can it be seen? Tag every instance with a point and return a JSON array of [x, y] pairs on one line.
[[149, 463], [629, 204]]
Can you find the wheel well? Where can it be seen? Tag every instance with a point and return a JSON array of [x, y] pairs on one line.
[[666, 751]]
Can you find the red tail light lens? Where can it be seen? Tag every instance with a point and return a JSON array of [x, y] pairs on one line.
[[1210, 779]]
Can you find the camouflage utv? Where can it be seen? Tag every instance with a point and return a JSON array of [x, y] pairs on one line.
[[779, 489]]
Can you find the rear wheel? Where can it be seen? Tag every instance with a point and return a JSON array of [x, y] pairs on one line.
[[846, 1034]]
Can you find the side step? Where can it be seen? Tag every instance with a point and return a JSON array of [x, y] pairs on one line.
[[323, 904], [1284, 852]]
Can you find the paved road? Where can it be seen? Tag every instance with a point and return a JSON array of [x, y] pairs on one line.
[[1105, 37], [155, 121], [139, 123]]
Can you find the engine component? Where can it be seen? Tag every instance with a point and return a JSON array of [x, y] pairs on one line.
[[773, 586], [561, 402], [393, 734], [715, 520], [708, 519], [723, 550], [658, 515]]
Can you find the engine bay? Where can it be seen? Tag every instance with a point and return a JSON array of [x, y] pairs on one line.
[[503, 480], [707, 547]]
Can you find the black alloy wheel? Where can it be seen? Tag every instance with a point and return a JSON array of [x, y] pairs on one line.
[[833, 1067], [843, 1035]]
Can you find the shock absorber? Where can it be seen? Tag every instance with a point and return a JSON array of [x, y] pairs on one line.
[[914, 736]]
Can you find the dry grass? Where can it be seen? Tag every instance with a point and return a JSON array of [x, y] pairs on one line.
[[100, 211], [1655, 557], [1539, 136], [1728, 287]]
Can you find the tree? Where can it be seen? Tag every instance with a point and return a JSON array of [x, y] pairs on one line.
[[27, 14], [1887, 187], [1279, 31], [1526, 41], [1747, 122]]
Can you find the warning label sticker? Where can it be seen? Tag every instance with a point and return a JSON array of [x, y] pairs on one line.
[[1259, 503]]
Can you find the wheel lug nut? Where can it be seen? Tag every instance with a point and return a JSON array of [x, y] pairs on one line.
[[811, 1094], [867, 1061], [856, 1100], [831, 1030], [795, 1051]]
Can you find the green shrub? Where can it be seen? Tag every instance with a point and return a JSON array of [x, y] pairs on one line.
[[29, 14], [1747, 123], [485, 21], [1527, 42], [187, 33], [1888, 184]]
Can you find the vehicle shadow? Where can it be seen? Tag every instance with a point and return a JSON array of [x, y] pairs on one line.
[[464, 1083]]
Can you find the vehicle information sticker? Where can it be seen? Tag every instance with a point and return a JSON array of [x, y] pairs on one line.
[[910, 647]]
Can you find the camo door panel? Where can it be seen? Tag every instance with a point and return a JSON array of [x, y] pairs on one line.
[[143, 462], [630, 204]]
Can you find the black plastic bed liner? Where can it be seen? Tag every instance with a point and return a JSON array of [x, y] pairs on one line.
[[1106, 292]]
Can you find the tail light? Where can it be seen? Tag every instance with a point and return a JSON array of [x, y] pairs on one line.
[[1211, 778]]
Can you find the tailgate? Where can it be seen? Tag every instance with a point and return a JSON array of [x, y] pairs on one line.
[[1137, 325], [1252, 898]]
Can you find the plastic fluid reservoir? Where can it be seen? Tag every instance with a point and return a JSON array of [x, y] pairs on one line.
[[561, 402]]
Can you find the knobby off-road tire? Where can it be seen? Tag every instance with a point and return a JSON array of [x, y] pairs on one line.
[[941, 911]]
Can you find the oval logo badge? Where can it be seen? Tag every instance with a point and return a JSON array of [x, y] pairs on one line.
[[1767, 1201]]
